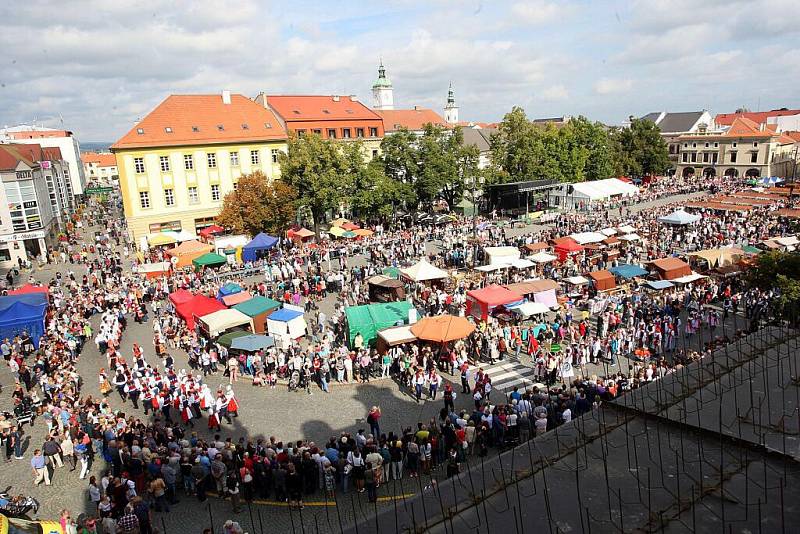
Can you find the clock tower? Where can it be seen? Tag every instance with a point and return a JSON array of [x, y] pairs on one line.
[[451, 109], [382, 97]]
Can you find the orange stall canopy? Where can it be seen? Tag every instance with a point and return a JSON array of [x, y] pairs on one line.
[[603, 280]]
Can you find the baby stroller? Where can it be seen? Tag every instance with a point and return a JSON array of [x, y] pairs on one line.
[[23, 411], [17, 506], [295, 380]]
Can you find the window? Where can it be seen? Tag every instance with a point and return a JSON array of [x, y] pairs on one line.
[[144, 199], [359, 132], [694, 145], [215, 192], [707, 145], [254, 157], [346, 133], [754, 157], [169, 197], [685, 145], [172, 226], [164, 162], [373, 132], [733, 144], [375, 153], [195, 129], [234, 159], [301, 132], [755, 144], [268, 125], [168, 129], [716, 145], [705, 157], [733, 157], [220, 127], [694, 157], [686, 157], [235, 185], [193, 197], [212, 160], [138, 165], [331, 133], [317, 131], [140, 131], [714, 157], [274, 155], [245, 127], [188, 162]]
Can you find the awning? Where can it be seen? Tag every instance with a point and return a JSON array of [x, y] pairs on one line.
[[626, 270], [493, 267], [608, 231], [543, 257], [583, 238], [236, 298], [528, 308], [577, 280], [659, 284], [626, 229], [530, 287], [521, 263], [630, 237], [155, 240], [222, 320], [397, 335], [689, 278], [252, 342]]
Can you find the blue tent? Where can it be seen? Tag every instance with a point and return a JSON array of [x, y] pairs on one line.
[[23, 313], [626, 270], [228, 289], [284, 315], [259, 243]]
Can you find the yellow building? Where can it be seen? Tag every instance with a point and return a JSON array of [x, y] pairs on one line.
[[176, 165]]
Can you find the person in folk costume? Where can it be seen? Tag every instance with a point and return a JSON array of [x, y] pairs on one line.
[[213, 418], [232, 405], [206, 398], [221, 402], [186, 412]]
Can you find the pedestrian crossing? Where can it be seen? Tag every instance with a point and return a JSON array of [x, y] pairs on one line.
[[506, 374]]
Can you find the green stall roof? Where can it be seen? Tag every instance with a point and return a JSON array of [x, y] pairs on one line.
[[369, 319], [209, 259], [257, 305]]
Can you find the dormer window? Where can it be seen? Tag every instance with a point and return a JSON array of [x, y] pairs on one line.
[[267, 125], [220, 127], [296, 111], [168, 129], [140, 131], [326, 112], [350, 111], [245, 127], [195, 129]]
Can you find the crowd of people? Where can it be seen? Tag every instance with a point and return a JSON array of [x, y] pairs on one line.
[[142, 425]]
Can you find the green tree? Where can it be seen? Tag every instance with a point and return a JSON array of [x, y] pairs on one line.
[[594, 138], [640, 150], [258, 204], [445, 165], [378, 195], [516, 148], [779, 271], [399, 156], [322, 172]]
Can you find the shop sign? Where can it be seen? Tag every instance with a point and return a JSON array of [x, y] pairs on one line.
[[22, 236]]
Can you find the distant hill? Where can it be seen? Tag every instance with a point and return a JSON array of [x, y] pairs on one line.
[[95, 147]]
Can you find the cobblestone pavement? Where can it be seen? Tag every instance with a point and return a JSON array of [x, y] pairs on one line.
[[264, 413]]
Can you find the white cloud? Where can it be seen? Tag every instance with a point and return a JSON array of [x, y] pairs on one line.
[[539, 11], [554, 93], [607, 86]]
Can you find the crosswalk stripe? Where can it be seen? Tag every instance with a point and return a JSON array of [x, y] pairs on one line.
[[507, 374]]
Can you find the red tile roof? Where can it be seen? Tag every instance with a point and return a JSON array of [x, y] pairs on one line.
[[203, 120], [11, 155], [793, 135], [413, 119], [101, 159], [726, 119], [319, 107]]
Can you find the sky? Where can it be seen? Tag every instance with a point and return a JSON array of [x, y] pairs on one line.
[[98, 66]]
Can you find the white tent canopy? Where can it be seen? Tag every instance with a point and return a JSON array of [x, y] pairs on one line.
[[608, 231], [689, 278], [679, 217], [542, 257], [157, 267], [577, 280], [184, 235], [528, 308], [631, 237], [492, 267], [594, 190], [422, 271], [626, 229], [521, 263], [583, 238], [496, 255], [397, 335], [222, 320]]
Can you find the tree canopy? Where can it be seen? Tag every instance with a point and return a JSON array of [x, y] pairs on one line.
[[258, 204], [779, 271], [640, 149]]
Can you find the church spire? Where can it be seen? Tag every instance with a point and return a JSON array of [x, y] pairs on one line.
[[382, 97], [451, 98], [451, 109]]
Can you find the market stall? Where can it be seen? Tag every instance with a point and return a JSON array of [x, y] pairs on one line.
[[180, 296], [228, 289], [385, 289], [183, 254], [286, 325], [394, 336], [541, 291], [209, 259], [603, 280], [28, 289], [481, 302], [24, 312], [369, 319], [501, 255], [671, 268], [236, 298], [627, 270], [258, 246], [719, 257], [197, 306], [679, 218], [565, 247], [258, 309], [423, 271], [154, 270], [215, 323], [252, 342]]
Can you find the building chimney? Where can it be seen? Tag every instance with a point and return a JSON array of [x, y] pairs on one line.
[[415, 108], [262, 99], [353, 98], [762, 126], [226, 97], [335, 98]]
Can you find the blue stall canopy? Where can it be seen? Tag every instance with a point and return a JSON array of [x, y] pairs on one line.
[[228, 289], [660, 284], [284, 315], [626, 270], [259, 243], [23, 313]]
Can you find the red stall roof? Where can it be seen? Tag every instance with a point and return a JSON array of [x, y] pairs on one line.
[[198, 306], [494, 295]]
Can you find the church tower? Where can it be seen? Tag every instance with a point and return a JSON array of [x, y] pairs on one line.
[[450, 109], [382, 91]]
